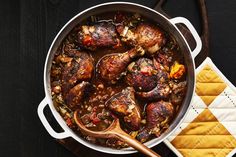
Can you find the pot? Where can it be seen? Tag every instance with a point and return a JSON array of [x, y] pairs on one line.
[[169, 25]]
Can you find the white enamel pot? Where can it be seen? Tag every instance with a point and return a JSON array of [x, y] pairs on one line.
[[168, 25]]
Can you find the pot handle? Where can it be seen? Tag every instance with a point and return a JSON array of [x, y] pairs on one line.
[[47, 126], [188, 24]]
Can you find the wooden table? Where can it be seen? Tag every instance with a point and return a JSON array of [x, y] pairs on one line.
[[27, 29]]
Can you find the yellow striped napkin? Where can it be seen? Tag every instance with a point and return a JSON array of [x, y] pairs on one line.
[[209, 128]]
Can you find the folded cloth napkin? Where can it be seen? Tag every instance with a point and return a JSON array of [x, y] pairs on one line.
[[209, 128]]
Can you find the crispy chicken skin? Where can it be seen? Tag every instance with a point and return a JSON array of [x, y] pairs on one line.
[[158, 112], [150, 37], [77, 93], [141, 75], [162, 89], [112, 67], [80, 68], [158, 115], [124, 105], [102, 34]]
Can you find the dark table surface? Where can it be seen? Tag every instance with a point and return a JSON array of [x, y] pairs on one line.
[[27, 29]]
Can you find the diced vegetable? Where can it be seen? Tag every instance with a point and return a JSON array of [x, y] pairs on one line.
[[133, 134], [177, 70], [64, 59], [69, 122], [87, 40]]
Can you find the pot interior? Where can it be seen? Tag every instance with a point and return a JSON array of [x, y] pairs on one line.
[[146, 13]]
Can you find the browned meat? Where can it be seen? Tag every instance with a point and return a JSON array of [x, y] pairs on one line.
[[70, 50], [125, 106], [150, 37], [80, 68], [143, 135], [113, 66], [165, 58], [77, 93], [159, 112], [99, 35], [158, 115], [178, 92], [142, 75], [162, 89]]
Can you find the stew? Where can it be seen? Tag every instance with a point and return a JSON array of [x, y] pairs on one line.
[[119, 65]]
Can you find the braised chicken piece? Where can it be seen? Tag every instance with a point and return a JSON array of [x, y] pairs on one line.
[[112, 67], [125, 106], [162, 89], [100, 35], [70, 50], [77, 93], [150, 37], [142, 75], [178, 92], [165, 58], [158, 115], [79, 68]]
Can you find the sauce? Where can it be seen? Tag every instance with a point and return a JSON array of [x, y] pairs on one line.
[[92, 109]]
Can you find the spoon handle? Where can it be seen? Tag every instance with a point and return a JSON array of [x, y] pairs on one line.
[[135, 144]]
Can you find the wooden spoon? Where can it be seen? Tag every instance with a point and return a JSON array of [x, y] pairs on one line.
[[115, 131]]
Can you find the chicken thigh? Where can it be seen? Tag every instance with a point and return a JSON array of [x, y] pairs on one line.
[[102, 34], [80, 68], [150, 37], [141, 75], [162, 89], [77, 93], [124, 105], [158, 115]]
